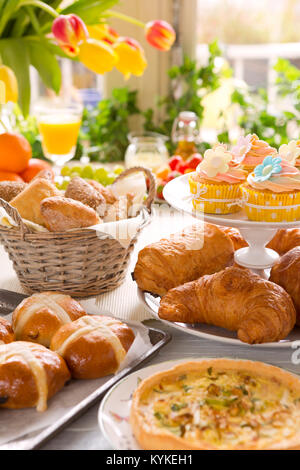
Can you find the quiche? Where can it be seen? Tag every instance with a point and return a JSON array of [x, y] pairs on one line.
[[218, 404]]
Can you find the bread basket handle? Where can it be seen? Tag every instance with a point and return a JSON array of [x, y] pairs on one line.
[[14, 214], [152, 184]]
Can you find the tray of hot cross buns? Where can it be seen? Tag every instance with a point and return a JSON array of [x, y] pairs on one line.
[[56, 361]]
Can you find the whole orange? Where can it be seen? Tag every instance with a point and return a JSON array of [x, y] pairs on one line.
[[15, 152], [9, 176], [35, 165]]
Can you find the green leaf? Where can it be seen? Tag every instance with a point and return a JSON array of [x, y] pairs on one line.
[[46, 64], [14, 54], [89, 10], [8, 10]]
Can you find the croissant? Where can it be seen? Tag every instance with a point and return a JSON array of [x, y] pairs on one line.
[[197, 250], [236, 299], [235, 236], [286, 273], [285, 240]]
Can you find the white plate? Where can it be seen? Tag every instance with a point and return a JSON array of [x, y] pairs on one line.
[[177, 194], [211, 332], [114, 411]]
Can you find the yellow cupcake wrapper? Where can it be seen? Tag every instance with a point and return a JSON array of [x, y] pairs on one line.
[[219, 198], [271, 207]]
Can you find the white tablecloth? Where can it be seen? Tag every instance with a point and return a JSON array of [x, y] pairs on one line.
[[122, 302]]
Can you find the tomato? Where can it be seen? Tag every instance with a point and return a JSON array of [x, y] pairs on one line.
[[194, 161], [174, 162], [182, 167]]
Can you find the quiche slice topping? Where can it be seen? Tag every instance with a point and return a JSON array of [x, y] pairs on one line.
[[223, 408]]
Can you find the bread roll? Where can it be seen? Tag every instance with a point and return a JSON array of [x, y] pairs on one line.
[[82, 191], [38, 317], [61, 214], [106, 192], [6, 332], [10, 189], [30, 374], [93, 346], [28, 202]]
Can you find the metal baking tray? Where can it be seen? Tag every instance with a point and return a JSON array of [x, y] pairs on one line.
[[8, 302]]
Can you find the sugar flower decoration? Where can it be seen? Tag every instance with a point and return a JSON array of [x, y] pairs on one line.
[[215, 161], [242, 147], [290, 151], [270, 166]]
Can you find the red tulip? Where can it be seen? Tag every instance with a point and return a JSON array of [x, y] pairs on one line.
[[70, 31], [160, 34]]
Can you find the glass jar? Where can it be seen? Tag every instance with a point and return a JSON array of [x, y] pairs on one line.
[[148, 150], [185, 133]]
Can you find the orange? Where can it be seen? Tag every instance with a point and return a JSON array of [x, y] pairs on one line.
[[35, 165], [15, 152], [9, 176]]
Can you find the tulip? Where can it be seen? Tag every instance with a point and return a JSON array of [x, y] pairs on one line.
[[160, 34], [8, 85], [70, 31], [131, 57], [97, 56], [103, 32]]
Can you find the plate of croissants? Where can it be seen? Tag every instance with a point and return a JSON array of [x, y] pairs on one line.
[[191, 282]]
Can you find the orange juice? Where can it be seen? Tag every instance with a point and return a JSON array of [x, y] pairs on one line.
[[59, 133]]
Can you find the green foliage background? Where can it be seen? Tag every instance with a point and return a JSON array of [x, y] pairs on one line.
[[105, 129]]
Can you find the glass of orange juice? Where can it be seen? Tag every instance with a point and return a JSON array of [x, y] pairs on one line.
[[59, 124]]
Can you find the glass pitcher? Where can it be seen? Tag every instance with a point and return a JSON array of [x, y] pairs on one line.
[[147, 149]]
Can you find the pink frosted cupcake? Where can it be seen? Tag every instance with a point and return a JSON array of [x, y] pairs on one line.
[[291, 153], [215, 185], [250, 151]]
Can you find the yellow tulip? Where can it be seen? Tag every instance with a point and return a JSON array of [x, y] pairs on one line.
[[132, 59], [103, 32], [97, 56], [10, 85]]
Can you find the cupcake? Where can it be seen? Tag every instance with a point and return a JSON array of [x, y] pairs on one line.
[[291, 152], [250, 151], [272, 192], [215, 185]]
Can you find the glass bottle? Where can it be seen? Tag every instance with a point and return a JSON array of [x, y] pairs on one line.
[[185, 134]]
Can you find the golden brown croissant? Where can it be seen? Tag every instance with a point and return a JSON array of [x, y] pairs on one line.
[[286, 273], [235, 299], [197, 250], [235, 236], [285, 240]]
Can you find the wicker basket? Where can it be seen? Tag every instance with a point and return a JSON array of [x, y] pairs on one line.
[[78, 262]]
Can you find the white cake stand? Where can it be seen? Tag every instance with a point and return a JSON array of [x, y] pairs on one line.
[[257, 234]]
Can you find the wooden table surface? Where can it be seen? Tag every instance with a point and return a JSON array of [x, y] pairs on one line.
[[84, 434]]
